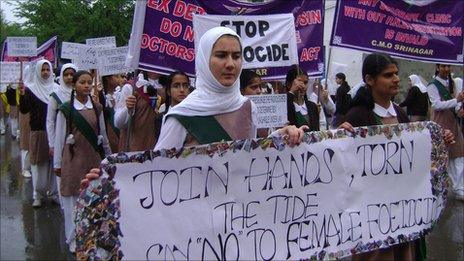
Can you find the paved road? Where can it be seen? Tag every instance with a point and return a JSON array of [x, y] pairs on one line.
[[38, 234]]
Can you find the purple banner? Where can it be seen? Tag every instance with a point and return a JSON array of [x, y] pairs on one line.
[[431, 32], [46, 50], [167, 38]]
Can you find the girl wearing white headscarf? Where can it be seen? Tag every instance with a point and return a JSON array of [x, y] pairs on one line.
[[60, 95], [34, 99], [417, 100], [214, 111]]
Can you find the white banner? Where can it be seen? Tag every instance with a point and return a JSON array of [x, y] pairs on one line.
[[268, 40], [102, 41], [253, 200], [71, 50], [272, 110], [22, 46], [112, 60], [10, 72]]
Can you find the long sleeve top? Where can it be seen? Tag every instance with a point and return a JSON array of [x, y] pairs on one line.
[[52, 111], [121, 113], [61, 131], [343, 100], [435, 99], [328, 105], [38, 110]]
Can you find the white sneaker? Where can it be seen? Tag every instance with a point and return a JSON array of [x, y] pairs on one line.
[[2, 132], [26, 174], [37, 203]]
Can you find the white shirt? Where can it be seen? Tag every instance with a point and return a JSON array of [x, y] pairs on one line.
[[434, 96], [121, 114], [385, 113], [52, 111], [61, 133], [329, 105]]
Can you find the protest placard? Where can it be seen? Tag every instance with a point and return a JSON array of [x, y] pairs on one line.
[[111, 60], [272, 110], [71, 50], [268, 40], [168, 43], [101, 42], [10, 72], [87, 58], [334, 195], [426, 32], [22, 46], [47, 51]]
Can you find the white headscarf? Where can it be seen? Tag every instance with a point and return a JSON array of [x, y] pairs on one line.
[[458, 84], [28, 75], [63, 88], [210, 97], [416, 81], [42, 88]]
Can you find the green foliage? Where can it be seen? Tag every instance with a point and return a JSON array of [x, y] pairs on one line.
[[10, 29], [77, 20]]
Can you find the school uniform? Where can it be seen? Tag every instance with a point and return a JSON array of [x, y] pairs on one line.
[[85, 155], [35, 101], [305, 114], [143, 133], [362, 116], [328, 106], [445, 107]]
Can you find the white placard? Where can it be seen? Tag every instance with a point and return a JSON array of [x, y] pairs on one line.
[[268, 40], [87, 58], [71, 50], [242, 201], [22, 46], [112, 60], [10, 72], [102, 41], [272, 110]]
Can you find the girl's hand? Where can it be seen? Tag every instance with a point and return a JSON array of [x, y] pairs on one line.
[[292, 134], [92, 175], [297, 85], [346, 126], [130, 101], [22, 88], [448, 137]]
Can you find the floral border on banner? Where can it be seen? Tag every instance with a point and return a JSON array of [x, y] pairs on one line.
[[97, 208]]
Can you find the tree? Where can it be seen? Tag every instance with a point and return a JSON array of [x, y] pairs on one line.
[[10, 29], [77, 20]]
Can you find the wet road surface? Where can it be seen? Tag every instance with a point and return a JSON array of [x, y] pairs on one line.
[[38, 234]]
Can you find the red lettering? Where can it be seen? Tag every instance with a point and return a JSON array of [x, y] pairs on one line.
[[145, 41], [153, 44], [163, 6], [310, 54], [165, 25], [176, 29], [179, 9], [188, 34]]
